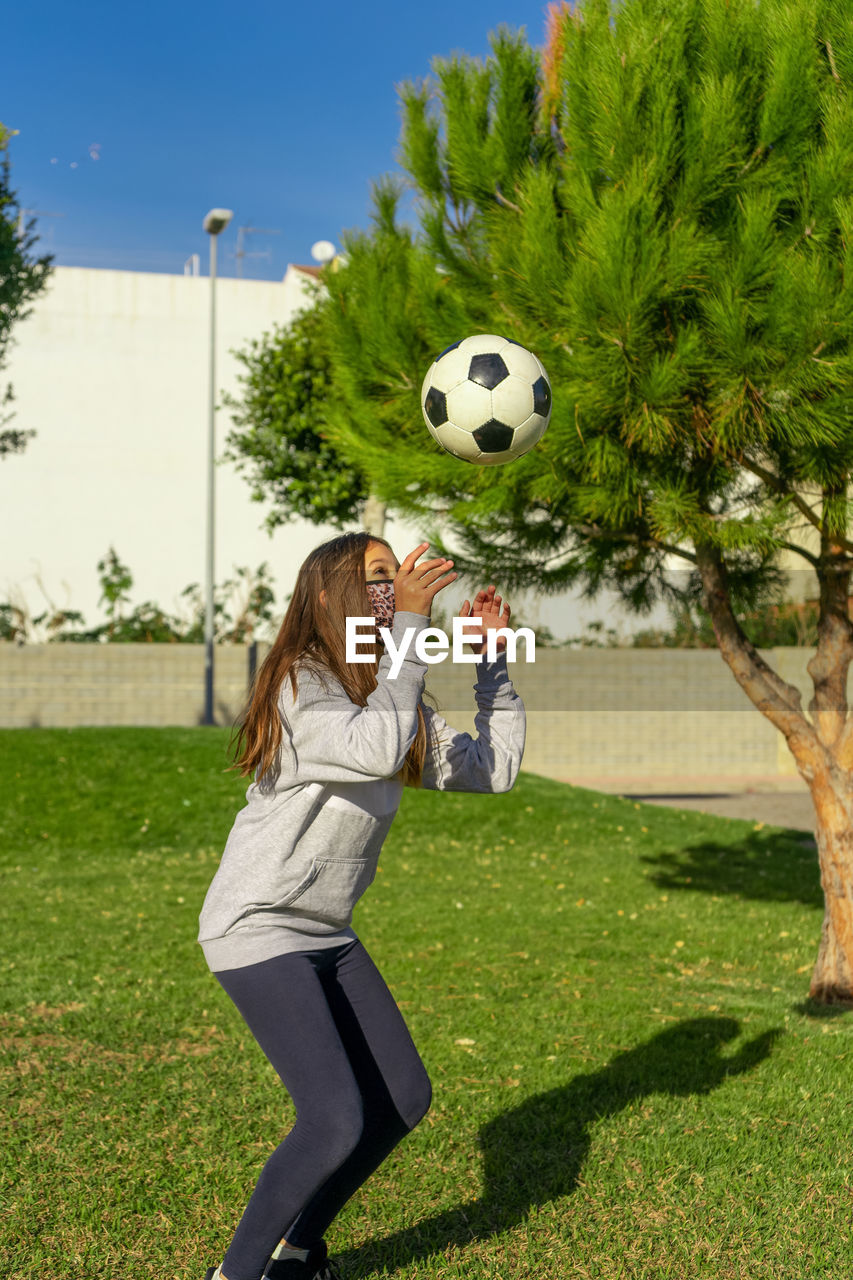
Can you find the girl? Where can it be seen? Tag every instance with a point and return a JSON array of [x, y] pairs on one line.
[[275, 924]]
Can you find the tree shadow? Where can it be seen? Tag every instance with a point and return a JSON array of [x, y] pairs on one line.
[[818, 1011], [535, 1152], [773, 866]]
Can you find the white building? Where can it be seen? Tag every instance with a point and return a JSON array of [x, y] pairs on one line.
[[111, 371]]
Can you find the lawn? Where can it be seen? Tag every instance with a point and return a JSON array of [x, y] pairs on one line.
[[610, 999]]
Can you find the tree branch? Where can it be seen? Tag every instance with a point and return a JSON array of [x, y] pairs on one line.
[[593, 531], [801, 551], [774, 482], [832, 65], [830, 664], [758, 153], [507, 204], [779, 701]]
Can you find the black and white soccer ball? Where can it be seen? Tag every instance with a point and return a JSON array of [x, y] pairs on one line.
[[486, 399]]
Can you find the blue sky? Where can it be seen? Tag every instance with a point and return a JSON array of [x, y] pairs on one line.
[[134, 120]]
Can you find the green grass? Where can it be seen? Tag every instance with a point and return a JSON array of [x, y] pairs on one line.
[[610, 998]]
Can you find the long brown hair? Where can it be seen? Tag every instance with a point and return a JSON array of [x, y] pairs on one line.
[[314, 637]]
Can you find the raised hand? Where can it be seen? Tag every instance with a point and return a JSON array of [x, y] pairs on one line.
[[416, 584], [487, 607]]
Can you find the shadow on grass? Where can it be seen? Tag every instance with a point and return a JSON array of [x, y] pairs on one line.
[[535, 1152], [810, 1008], [773, 866]]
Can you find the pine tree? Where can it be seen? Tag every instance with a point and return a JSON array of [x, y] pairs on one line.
[[384, 317], [667, 222]]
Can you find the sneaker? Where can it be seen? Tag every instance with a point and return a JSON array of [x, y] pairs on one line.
[[315, 1267]]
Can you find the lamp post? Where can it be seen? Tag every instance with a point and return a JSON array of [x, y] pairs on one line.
[[215, 222]]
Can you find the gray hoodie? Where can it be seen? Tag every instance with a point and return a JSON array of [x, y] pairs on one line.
[[306, 845]]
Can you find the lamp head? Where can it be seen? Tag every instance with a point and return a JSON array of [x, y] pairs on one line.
[[217, 220]]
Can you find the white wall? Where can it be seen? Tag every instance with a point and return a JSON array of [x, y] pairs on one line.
[[111, 370]]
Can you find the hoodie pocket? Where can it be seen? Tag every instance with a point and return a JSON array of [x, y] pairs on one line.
[[331, 889]]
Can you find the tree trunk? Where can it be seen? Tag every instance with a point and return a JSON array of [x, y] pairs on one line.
[[373, 516], [832, 979], [822, 747]]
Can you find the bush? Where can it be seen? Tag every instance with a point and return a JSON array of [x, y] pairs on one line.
[[147, 623]]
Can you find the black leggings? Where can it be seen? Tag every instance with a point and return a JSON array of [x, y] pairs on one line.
[[332, 1030]]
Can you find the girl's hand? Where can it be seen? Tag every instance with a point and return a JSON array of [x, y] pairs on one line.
[[415, 586], [487, 607]]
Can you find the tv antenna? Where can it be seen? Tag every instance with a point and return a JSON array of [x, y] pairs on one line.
[[41, 213], [242, 253]]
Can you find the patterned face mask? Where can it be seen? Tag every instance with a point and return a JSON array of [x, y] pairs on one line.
[[381, 594]]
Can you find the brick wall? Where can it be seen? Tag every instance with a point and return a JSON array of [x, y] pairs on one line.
[[139, 684]]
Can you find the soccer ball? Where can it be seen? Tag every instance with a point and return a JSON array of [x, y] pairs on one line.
[[486, 399]]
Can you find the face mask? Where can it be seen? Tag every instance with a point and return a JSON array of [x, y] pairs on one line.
[[381, 595]]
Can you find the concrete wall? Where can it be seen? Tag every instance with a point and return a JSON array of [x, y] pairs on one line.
[[594, 715]]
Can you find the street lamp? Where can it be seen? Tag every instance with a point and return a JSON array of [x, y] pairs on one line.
[[215, 222]]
